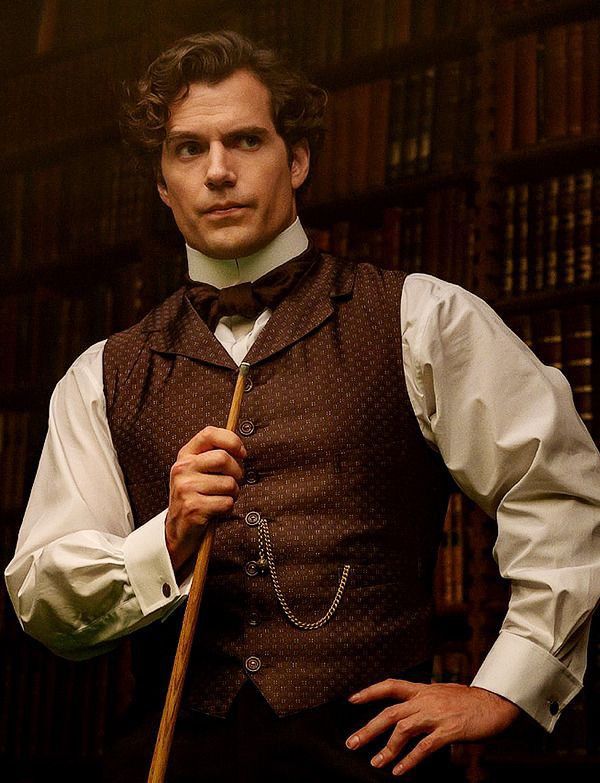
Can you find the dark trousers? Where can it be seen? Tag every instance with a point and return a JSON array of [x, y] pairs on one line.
[[253, 745]]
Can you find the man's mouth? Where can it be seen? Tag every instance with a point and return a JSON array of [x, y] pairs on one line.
[[223, 210]]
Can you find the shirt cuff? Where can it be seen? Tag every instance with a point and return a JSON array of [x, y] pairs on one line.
[[530, 677], [149, 566]]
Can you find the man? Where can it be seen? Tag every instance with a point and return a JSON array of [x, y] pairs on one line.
[[318, 603]]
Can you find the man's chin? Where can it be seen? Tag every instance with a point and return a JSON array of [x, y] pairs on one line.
[[227, 248]]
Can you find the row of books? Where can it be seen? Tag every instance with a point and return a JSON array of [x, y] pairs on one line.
[[74, 206], [551, 233], [548, 85], [68, 98], [565, 339], [449, 587], [436, 236], [379, 132], [319, 35], [45, 330]]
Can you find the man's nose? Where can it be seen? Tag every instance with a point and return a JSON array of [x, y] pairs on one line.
[[219, 170]]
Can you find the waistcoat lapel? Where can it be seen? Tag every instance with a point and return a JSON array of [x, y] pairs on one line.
[[304, 310], [186, 334], [308, 306]]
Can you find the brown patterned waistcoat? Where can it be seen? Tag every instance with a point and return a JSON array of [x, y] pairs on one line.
[[336, 464]]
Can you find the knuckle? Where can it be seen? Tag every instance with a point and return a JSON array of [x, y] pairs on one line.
[[177, 468], [188, 505], [391, 711], [220, 458], [231, 484]]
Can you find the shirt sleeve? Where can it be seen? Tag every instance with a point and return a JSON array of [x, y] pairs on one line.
[[507, 429], [82, 576]]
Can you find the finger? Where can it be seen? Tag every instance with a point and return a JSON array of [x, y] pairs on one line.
[[214, 438], [208, 506], [386, 718], [216, 461], [388, 689], [210, 484], [403, 732], [428, 745]]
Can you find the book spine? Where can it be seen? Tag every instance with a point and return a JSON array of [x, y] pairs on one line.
[[551, 231], [556, 79], [578, 341], [526, 90], [522, 243], [566, 230], [397, 128], [591, 77], [575, 79], [583, 227]]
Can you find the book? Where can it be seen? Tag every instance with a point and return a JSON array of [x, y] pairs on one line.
[[578, 359]]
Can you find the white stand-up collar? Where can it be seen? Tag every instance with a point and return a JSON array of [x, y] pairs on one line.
[[222, 273]]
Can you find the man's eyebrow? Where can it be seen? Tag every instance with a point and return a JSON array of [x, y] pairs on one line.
[[244, 130]]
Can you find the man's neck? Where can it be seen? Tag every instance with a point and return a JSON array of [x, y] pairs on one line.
[[222, 273]]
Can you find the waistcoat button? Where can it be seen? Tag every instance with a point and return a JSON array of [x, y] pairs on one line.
[[253, 618], [249, 385], [246, 427], [251, 476], [251, 568], [253, 663], [252, 518]]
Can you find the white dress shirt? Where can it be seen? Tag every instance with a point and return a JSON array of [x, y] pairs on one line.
[[504, 424]]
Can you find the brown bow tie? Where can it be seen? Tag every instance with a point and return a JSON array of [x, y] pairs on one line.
[[249, 299]]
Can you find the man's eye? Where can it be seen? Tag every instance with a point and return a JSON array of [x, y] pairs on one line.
[[249, 142], [188, 149]]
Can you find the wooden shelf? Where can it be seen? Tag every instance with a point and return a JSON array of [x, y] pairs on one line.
[[543, 300], [74, 270], [412, 55], [58, 149], [555, 155], [356, 206], [544, 15]]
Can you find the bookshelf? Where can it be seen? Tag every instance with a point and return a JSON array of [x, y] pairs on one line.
[[453, 152]]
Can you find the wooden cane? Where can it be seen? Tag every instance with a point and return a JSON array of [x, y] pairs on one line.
[[164, 739]]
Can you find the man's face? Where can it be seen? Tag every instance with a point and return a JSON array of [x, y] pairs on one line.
[[226, 172]]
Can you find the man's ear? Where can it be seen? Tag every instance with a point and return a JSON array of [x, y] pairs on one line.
[[300, 163], [161, 186]]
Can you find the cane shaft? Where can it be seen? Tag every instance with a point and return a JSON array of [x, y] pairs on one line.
[[164, 739]]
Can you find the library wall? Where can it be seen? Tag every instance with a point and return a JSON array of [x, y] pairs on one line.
[[463, 141]]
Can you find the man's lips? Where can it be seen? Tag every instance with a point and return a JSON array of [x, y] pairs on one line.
[[224, 209]]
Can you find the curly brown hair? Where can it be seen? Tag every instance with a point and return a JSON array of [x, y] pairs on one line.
[[297, 106]]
